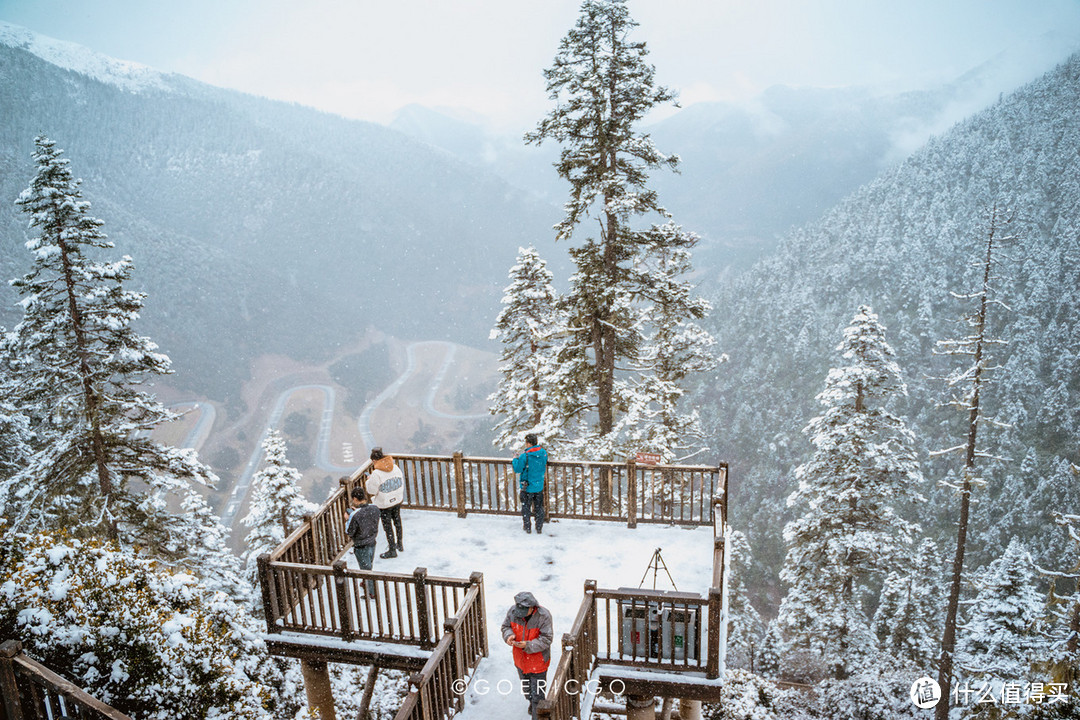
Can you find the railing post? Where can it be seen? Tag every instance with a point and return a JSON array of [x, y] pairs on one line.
[[312, 556], [477, 579], [423, 618], [712, 663], [631, 493], [344, 603], [718, 562], [590, 592], [459, 483], [267, 587], [8, 689], [457, 657]]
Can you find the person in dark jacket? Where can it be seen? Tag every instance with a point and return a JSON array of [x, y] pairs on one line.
[[363, 528], [532, 465], [527, 629]]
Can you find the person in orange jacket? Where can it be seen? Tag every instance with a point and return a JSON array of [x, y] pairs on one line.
[[527, 629]]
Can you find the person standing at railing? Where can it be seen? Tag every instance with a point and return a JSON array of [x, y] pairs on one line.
[[527, 629], [386, 486], [363, 528], [532, 466]]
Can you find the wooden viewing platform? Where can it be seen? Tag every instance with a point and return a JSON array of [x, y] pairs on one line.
[[317, 609]]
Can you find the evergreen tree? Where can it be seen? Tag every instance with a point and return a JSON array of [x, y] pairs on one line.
[[277, 507], [76, 364], [745, 626], [603, 87], [676, 349], [1002, 637], [529, 326], [1063, 632], [849, 531], [14, 450], [906, 623]]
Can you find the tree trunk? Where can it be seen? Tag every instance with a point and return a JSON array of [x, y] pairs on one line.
[[948, 639], [90, 394]]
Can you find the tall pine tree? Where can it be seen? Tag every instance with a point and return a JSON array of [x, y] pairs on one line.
[[849, 531], [603, 87], [77, 366]]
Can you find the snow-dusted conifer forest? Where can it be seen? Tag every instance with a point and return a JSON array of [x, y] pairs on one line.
[[836, 376]]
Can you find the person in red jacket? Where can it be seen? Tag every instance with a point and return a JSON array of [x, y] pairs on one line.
[[527, 629]]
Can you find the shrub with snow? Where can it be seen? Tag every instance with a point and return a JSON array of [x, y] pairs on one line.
[[150, 641]]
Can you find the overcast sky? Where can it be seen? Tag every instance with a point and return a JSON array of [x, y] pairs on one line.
[[366, 59]]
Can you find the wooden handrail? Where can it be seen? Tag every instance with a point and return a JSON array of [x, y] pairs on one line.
[[44, 691]]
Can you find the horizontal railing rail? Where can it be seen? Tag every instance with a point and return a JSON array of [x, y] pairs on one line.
[[30, 691], [357, 604], [626, 492]]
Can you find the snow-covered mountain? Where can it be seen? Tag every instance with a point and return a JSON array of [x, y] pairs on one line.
[[259, 226], [902, 244]]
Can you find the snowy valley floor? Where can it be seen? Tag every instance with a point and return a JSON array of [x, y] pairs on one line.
[[553, 566]]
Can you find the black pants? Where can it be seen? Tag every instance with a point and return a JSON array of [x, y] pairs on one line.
[[533, 687], [391, 525], [532, 504]]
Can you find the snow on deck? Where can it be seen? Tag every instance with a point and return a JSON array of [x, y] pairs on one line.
[[553, 566]]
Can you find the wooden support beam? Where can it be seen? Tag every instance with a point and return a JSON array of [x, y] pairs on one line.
[[317, 688], [369, 689]]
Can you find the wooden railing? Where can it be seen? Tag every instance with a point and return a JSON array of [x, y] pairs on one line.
[[634, 628], [625, 492], [30, 691], [437, 691], [359, 604]]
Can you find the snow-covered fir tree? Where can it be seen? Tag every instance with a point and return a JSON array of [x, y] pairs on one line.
[[849, 532], [745, 626], [676, 349], [277, 506], [602, 87], [907, 623], [14, 449], [77, 364], [1063, 616], [529, 327], [1003, 637]]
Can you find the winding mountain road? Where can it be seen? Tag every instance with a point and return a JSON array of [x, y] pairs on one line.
[[242, 487]]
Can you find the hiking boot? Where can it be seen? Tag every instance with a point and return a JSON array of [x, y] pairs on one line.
[[401, 547], [391, 553], [528, 530]]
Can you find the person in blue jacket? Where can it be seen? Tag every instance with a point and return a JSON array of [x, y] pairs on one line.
[[531, 465]]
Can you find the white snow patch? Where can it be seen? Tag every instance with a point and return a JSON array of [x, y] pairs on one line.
[[553, 566], [124, 74]]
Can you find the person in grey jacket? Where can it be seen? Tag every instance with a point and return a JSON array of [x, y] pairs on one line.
[[527, 629], [363, 528]]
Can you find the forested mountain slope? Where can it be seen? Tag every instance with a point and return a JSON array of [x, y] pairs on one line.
[[902, 244], [258, 226]]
